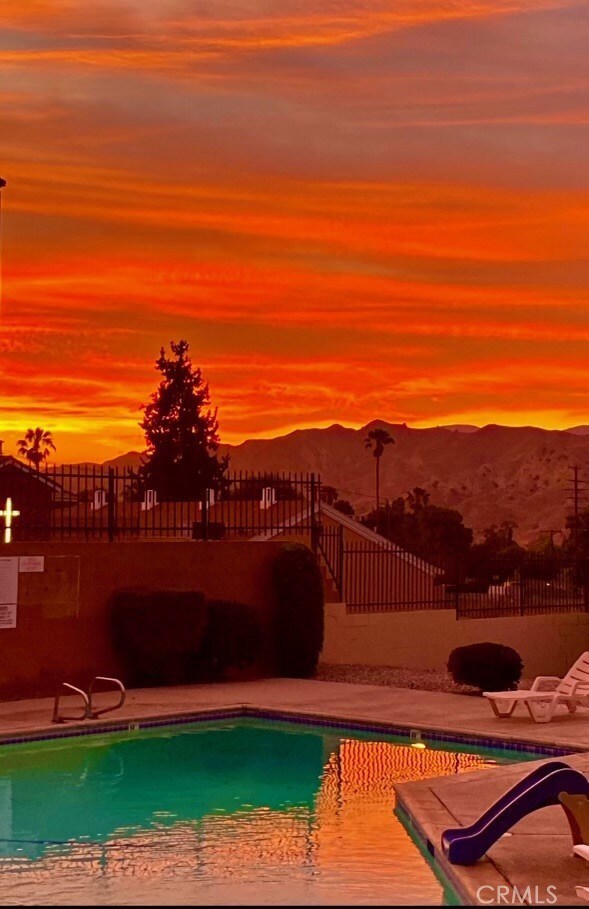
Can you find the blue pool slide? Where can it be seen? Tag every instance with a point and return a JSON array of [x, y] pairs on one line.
[[540, 788]]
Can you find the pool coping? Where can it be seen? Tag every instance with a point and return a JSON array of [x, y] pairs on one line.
[[443, 870], [433, 732]]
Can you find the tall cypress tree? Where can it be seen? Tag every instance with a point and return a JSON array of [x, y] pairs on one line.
[[181, 431]]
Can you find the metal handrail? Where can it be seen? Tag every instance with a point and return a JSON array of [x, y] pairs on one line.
[[56, 718], [93, 714]]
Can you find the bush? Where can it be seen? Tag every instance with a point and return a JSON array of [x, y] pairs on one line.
[[159, 635], [232, 639], [490, 667], [298, 586]]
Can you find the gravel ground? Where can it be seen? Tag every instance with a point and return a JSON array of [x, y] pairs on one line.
[[396, 676]]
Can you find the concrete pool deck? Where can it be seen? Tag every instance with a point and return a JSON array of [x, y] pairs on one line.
[[537, 854]]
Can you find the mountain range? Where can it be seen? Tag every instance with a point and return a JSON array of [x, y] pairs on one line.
[[490, 473]]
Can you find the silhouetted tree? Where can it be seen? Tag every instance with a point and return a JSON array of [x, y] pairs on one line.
[[36, 446], [181, 431], [438, 534], [578, 534], [416, 499], [345, 507], [388, 520], [576, 546], [376, 440], [498, 556], [329, 494]]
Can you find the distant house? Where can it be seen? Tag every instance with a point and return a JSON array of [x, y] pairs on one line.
[[100, 507], [34, 494]]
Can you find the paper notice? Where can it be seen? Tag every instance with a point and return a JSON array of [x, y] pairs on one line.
[[31, 563], [8, 580], [8, 616]]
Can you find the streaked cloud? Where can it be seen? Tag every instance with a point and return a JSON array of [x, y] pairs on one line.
[[357, 210]]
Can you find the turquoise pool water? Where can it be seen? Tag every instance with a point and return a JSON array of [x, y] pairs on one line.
[[237, 811]]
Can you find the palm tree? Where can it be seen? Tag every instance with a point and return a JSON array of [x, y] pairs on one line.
[[417, 499], [376, 441], [36, 445]]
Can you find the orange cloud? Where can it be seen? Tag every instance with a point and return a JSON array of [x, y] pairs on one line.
[[366, 209]]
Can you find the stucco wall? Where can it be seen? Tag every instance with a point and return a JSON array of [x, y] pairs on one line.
[[548, 644], [62, 631]]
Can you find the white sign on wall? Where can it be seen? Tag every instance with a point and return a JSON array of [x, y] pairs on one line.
[[8, 615], [8, 580], [31, 563], [8, 591]]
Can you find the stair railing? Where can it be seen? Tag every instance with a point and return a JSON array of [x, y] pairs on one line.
[[93, 714], [57, 717]]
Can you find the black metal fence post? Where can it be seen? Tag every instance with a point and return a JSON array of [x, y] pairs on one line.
[[205, 515], [314, 524], [111, 505], [340, 574], [456, 586]]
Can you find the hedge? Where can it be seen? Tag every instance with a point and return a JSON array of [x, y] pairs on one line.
[[175, 637], [232, 638], [298, 588]]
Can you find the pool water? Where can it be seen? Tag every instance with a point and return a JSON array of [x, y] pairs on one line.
[[233, 812]]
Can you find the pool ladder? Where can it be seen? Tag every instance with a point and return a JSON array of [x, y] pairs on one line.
[[89, 713]]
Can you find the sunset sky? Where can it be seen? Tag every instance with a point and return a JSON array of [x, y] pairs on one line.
[[351, 210]]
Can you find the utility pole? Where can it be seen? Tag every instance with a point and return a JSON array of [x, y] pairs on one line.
[[551, 534], [577, 497]]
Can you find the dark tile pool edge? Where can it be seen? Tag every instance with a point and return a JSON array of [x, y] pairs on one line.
[[385, 728], [76, 731], [285, 715]]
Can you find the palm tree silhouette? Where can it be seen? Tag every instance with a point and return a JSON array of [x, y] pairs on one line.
[[36, 445], [376, 441]]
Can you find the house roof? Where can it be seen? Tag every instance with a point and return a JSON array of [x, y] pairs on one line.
[[241, 517], [8, 462]]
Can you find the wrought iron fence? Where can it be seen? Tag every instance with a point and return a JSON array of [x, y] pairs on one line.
[[382, 577], [535, 584], [373, 576], [98, 503]]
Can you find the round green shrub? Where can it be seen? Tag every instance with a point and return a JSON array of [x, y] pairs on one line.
[[488, 666], [298, 588]]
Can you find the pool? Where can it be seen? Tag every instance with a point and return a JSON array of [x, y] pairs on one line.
[[241, 811]]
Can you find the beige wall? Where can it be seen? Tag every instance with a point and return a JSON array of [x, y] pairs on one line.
[[62, 631], [548, 644]]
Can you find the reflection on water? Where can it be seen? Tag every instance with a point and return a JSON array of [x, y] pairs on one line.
[[240, 812]]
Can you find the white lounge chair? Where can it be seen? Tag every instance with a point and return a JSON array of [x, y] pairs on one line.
[[541, 700], [582, 851]]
